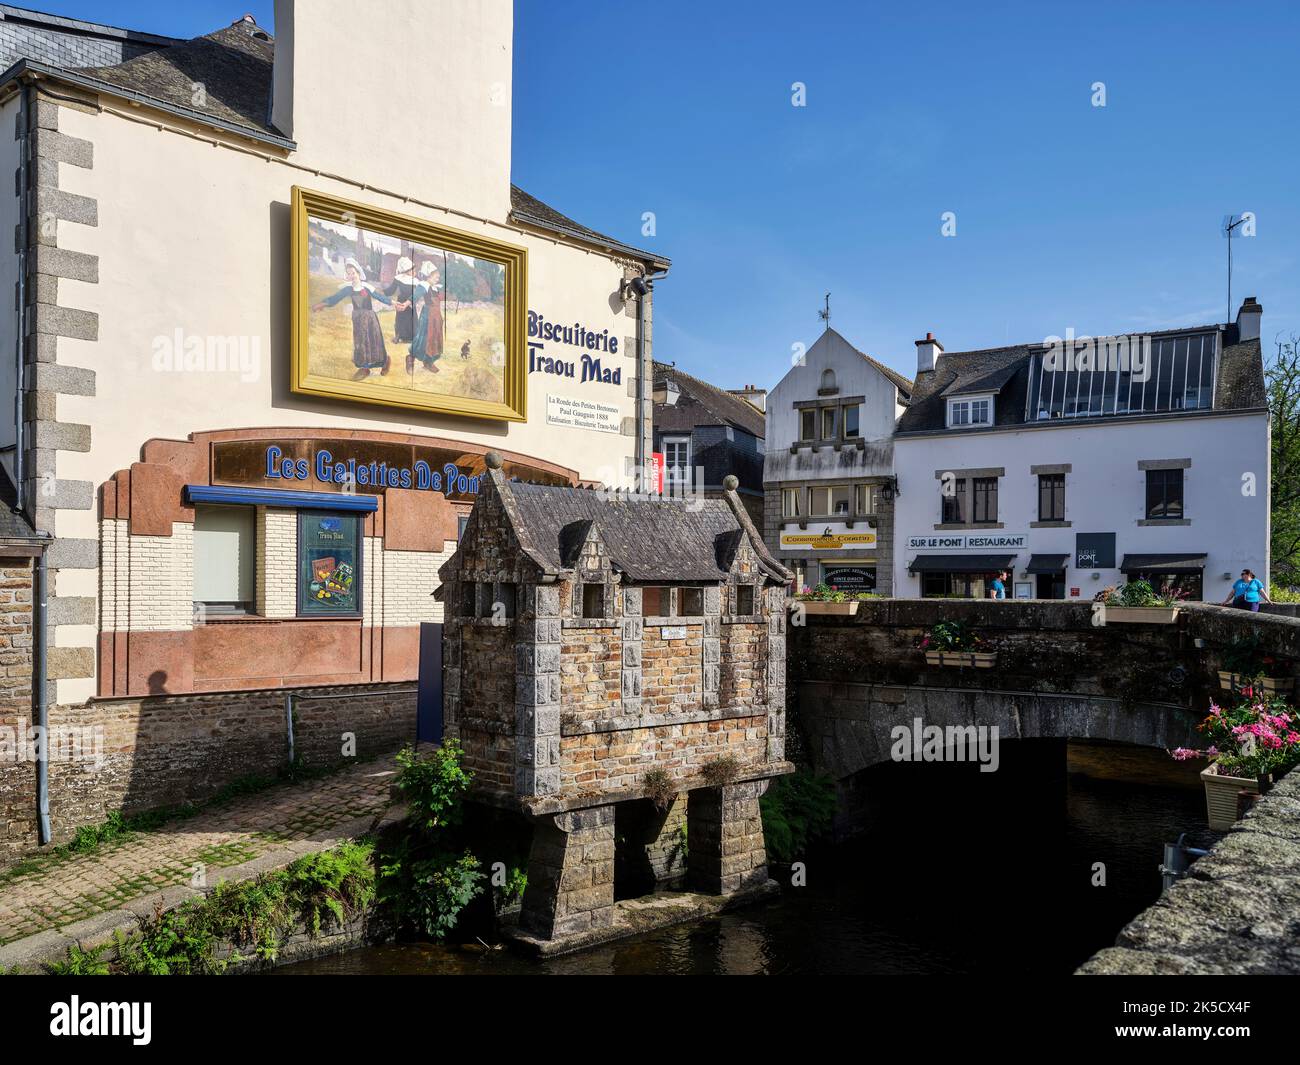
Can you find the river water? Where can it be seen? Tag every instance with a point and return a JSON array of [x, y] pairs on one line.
[[957, 872]]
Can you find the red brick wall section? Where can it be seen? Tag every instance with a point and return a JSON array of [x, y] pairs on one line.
[[672, 671]]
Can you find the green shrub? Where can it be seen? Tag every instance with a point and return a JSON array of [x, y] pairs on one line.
[[433, 785], [797, 809]]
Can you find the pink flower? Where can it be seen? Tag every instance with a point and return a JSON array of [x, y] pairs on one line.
[[1183, 754], [1212, 751]]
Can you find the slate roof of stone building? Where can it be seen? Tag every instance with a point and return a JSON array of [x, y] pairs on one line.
[[13, 525], [700, 403], [1005, 371], [234, 65], [650, 539]]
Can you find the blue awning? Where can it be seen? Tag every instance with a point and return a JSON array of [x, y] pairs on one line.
[[274, 497]]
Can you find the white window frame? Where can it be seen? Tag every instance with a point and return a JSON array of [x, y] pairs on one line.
[[684, 477], [961, 412]]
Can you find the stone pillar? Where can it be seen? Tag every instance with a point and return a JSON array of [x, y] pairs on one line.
[[725, 838], [775, 674], [633, 631], [570, 874], [712, 647], [537, 693]]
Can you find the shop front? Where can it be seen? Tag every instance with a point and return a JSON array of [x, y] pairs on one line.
[[842, 554], [958, 576], [1182, 573]]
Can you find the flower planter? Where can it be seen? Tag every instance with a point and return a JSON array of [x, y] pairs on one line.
[[1236, 681], [820, 606], [1140, 615], [973, 659], [1221, 796]]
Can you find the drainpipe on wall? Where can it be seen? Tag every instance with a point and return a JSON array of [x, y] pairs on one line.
[[643, 286], [24, 237]]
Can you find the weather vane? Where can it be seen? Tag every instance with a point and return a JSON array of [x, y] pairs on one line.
[[825, 315]]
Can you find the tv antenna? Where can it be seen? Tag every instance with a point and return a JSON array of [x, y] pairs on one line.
[[825, 314], [1231, 227]]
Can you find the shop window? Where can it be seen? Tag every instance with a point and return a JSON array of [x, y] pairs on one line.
[[1051, 497], [593, 600], [744, 599], [656, 601], [807, 425], [1164, 494], [690, 602], [986, 500], [851, 415], [790, 498], [225, 559], [953, 494], [329, 564], [952, 586]]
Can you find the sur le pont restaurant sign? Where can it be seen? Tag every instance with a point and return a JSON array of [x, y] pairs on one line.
[[361, 466]]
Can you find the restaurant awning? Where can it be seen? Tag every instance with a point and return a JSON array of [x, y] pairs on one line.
[[1046, 563], [1179, 562], [960, 563]]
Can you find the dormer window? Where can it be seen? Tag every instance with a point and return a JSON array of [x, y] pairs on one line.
[[970, 411]]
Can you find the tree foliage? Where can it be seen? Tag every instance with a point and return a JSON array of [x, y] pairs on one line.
[[1282, 375]]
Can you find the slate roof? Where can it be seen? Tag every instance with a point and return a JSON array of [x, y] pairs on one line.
[[234, 65], [13, 526], [1005, 371], [649, 538], [700, 403]]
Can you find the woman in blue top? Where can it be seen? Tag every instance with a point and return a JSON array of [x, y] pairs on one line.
[[1247, 592]]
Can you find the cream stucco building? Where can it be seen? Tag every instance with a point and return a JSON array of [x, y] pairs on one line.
[[148, 361]]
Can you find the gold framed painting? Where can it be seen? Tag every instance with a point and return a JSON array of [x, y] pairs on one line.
[[401, 312]]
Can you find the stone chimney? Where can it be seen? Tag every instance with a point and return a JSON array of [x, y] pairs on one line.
[[1248, 319], [928, 352], [753, 395]]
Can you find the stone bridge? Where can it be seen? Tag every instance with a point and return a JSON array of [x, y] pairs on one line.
[[1058, 675]]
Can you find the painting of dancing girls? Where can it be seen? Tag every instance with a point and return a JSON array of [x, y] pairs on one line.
[[382, 300]]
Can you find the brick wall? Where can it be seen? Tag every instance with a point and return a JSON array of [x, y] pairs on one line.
[[146, 582], [609, 761], [277, 560]]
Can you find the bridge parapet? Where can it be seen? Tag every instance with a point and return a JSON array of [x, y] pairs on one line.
[[1059, 673]]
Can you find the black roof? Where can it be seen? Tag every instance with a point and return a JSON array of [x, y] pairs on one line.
[[648, 537], [700, 403], [13, 525], [1005, 371], [924, 563]]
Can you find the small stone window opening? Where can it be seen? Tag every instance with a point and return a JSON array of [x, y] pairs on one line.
[[485, 599], [656, 601], [745, 599], [506, 601], [593, 600], [690, 602], [469, 599]]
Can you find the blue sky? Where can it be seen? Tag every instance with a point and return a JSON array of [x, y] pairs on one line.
[[1100, 219]]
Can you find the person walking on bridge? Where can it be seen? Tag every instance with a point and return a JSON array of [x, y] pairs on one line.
[[1247, 592]]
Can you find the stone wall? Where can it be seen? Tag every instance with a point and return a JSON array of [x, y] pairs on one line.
[[133, 755], [1236, 911], [17, 772]]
